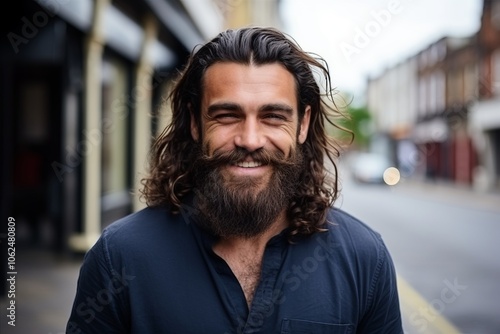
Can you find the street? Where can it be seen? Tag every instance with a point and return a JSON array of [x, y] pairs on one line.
[[445, 245]]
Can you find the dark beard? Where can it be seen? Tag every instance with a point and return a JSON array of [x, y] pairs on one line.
[[235, 207]]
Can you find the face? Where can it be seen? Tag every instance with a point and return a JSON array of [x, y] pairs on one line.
[[250, 107], [249, 134]]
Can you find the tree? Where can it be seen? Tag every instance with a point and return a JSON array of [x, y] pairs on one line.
[[360, 123]]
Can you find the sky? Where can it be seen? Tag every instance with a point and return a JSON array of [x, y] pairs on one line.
[[360, 38]]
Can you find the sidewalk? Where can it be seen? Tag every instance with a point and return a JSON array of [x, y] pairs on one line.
[[45, 289], [451, 193]]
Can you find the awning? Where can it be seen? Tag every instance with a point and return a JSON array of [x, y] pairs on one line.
[[485, 115], [121, 33]]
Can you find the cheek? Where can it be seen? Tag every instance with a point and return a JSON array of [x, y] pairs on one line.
[[216, 141], [211, 137], [286, 139]]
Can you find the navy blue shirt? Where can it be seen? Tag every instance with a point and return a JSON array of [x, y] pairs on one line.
[[155, 272]]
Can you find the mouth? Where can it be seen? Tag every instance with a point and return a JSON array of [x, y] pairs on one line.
[[247, 168], [248, 164]]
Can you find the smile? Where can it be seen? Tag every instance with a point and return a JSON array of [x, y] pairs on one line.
[[248, 164]]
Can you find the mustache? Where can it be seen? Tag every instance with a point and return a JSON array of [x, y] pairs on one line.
[[261, 155]]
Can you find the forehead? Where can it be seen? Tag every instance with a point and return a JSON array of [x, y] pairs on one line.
[[235, 80]]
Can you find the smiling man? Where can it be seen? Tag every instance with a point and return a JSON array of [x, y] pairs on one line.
[[246, 111], [241, 234]]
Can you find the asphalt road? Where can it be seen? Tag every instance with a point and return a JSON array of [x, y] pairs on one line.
[[445, 243]]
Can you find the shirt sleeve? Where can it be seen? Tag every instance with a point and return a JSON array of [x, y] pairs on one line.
[[101, 301], [383, 314]]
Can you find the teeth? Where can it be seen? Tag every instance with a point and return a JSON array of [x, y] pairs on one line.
[[250, 164]]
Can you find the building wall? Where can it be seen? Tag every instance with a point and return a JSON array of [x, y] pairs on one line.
[[85, 81], [484, 124], [242, 13], [430, 95], [392, 99]]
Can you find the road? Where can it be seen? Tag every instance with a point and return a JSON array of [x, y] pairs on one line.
[[444, 245]]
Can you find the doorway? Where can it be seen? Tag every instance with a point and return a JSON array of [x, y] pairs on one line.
[[36, 143]]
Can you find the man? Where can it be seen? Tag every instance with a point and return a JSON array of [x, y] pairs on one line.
[[240, 234]]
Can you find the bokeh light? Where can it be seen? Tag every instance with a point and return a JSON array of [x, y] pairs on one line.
[[392, 176]]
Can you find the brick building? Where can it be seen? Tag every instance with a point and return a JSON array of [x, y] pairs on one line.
[[484, 124], [451, 106]]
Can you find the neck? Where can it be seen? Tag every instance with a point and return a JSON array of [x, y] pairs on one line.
[[255, 244], [244, 256]]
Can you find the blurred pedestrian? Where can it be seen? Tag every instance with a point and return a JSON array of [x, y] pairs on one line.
[[241, 234]]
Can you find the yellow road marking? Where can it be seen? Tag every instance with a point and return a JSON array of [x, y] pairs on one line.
[[412, 304]]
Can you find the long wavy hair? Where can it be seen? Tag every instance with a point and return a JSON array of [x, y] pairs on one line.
[[172, 156]]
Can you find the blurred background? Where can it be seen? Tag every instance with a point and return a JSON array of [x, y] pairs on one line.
[[83, 87]]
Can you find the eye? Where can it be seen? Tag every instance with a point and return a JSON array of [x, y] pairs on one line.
[[275, 117], [226, 117]]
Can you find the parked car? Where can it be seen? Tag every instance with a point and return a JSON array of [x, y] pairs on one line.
[[368, 167]]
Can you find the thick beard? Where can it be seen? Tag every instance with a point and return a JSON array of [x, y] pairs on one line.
[[236, 208]]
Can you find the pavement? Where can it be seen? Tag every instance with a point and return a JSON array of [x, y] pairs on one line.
[[46, 282], [45, 288]]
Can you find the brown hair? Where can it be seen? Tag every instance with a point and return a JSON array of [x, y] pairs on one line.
[[172, 155]]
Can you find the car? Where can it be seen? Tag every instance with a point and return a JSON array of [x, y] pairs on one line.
[[367, 167]]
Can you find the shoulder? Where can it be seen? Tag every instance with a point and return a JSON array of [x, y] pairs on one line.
[[150, 217], [147, 220], [361, 256], [352, 230], [148, 229], [354, 241]]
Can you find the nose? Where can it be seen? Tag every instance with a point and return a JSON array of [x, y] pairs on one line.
[[250, 135]]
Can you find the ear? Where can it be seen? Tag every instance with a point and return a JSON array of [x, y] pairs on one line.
[[304, 125], [195, 134]]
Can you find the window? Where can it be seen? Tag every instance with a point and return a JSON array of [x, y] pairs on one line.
[[440, 90], [470, 83], [495, 14], [495, 73], [422, 95], [432, 93], [115, 132]]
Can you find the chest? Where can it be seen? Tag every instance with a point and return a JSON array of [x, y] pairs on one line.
[[194, 292], [211, 301], [247, 271]]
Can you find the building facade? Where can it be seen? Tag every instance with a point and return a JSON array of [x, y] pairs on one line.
[[447, 74], [243, 13], [484, 125], [83, 95], [392, 99], [454, 115]]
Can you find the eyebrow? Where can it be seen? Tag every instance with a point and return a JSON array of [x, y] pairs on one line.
[[223, 106], [277, 107], [236, 107]]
